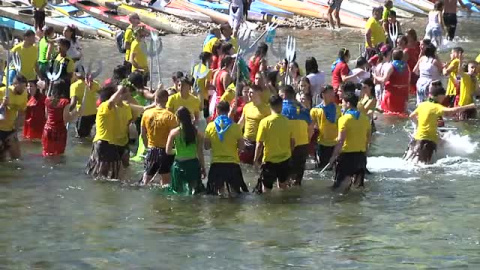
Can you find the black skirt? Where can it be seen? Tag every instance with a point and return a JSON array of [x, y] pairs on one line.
[[350, 165], [104, 161], [225, 174]]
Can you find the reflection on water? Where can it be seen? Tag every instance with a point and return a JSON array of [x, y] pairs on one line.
[[54, 217]]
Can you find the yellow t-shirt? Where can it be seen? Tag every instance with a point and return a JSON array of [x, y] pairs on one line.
[[299, 132], [252, 116], [203, 82], [28, 59], [209, 46], [356, 132], [158, 123], [123, 118], [266, 94], [71, 64], [467, 89], [39, 3], [378, 34], [140, 56], [105, 123], [176, 101], [328, 131], [234, 43], [229, 94], [16, 103], [452, 78], [128, 37], [361, 104], [226, 151], [428, 114], [275, 133], [78, 88]]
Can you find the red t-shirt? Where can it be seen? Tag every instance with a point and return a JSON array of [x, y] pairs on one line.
[[340, 69]]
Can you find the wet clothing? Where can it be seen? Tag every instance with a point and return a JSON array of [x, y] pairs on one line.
[[247, 154], [157, 161], [35, 117], [54, 138], [351, 164], [396, 92], [186, 177], [450, 20], [428, 73], [421, 150], [297, 162], [105, 161], [271, 173], [225, 175]]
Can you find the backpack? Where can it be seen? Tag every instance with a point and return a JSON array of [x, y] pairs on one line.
[[119, 37]]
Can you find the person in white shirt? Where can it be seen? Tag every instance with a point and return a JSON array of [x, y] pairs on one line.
[[316, 78]]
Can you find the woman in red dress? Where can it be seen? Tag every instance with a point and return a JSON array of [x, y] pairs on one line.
[[216, 55], [35, 113], [413, 52], [258, 62], [54, 137], [397, 83], [222, 80]]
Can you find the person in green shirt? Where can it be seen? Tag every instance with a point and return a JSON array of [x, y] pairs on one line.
[[386, 12], [46, 49]]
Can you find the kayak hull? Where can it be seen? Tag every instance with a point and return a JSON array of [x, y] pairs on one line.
[[180, 11]]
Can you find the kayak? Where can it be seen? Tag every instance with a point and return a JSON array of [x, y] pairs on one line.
[[422, 4], [148, 17], [470, 6], [75, 14], [347, 18], [179, 11], [397, 6], [271, 9], [365, 7], [356, 8], [14, 24]]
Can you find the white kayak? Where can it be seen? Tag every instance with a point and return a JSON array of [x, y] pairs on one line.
[[397, 5], [424, 5], [366, 6]]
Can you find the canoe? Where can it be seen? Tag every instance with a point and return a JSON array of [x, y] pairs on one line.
[[398, 5], [216, 16], [179, 11], [148, 17], [421, 4], [365, 7], [347, 18], [361, 10], [14, 24], [470, 6], [271, 9], [76, 14]]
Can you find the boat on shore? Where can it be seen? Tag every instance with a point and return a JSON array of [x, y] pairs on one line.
[[169, 7]]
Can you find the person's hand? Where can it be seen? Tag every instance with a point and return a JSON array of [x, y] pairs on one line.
[[5, 102]]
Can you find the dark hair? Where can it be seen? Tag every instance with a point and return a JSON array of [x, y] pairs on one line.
[[397, 54], [437, 90], [262, 50], [226, 61], [19, 78], [392, 14], [224, 26], [403, 39], [64, 42], [119, 73], [430, 51], [48, 30], [107, 92], [351, 98], [465, 65], [289, 91], [272, 77], [204, 57], [349, 87], [311, 65], [216, 46], [344, 52], [438, 6], [426, 41], [275, 101], [177, 75], [226, 47], [161, 95], [369, 82], [295, 64], [60, 89], [28, 33], [325, 89], [74, 32], [137, 79], [188, 80], [458, 49], [256, 88], [223, 107], [189, 132], [412, 33], [361, 61]]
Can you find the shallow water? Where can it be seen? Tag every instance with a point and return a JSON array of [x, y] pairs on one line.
[[55, 217]]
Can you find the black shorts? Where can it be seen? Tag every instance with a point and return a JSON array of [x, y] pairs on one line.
[[123, 151], [271, 172], [158, 161], [450, 20], [297, 162], [324, 154], [104, 160], [39, 18], [229, 174], [206, 111], [350, 165], [422, 150], [84, 125], [6, 138]]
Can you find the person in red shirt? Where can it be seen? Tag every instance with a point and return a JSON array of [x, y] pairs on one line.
[[340, 71], [35, 114], [413, 52]]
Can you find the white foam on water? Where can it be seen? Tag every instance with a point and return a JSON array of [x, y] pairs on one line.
[[387, 164], [457, 144]]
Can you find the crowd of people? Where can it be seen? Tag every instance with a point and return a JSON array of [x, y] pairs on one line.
[[274, 117]]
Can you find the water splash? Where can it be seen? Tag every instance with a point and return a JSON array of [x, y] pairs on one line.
[[458, 144]]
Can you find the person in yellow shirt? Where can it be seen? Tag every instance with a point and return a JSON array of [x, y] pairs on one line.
[[253, 112], [12, 108], [275, 140], [212, 38], [203, 76], [349, 155], [468, 88], [227, 33], [325, 116], [185, 99], [451, 70], [77, 90], [129, 37], [374, 34], [156, 126], [38, 13], [138, 57], [28, 54], [425, 140], [302, 129], [224, 138], [64, 63]]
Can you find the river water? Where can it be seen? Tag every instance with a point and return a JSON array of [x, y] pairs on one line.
[[54, 217]]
